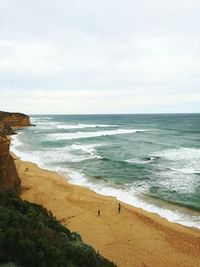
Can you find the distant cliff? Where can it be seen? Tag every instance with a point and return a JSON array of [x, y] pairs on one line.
[[9, 179], [14, 119]]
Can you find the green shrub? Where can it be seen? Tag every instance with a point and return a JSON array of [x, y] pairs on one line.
[[31, 236]]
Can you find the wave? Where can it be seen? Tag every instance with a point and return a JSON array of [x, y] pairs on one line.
[[90, 149], [63, 156], [41, 119], [175, 202], [181, 153], [181, 160], [79, 135], [132, 195], [16, 145], [142, 160], [44, 125], [82, 126], [66, 154], [186, 170], [136, 161]]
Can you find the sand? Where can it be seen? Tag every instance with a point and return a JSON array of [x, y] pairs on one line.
[[132, 238]]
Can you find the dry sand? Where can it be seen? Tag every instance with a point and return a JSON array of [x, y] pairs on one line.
[[132, 238]]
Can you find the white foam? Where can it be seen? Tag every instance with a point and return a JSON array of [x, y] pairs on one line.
[[186, 170], [181, 154], [40, 118], [130, 195], [15, 141], [45, 124], [138, 161], [78, 135], [183, 160], [82, 126], [15, 148], [179, 182], [77, 178], [89, 149], [58, 156]]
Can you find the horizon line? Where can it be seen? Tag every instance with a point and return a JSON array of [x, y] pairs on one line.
[[153, 113]]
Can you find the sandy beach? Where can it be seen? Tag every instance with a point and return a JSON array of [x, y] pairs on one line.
[[130, 238]]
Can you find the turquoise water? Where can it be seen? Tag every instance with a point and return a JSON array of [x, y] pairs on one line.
[[150, 161]]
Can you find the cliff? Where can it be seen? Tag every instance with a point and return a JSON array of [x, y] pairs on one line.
[[14, 119], [9, 179]]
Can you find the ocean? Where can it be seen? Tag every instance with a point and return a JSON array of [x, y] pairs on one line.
[[149, 161]]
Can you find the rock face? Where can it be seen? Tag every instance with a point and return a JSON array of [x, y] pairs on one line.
[[9, 179], [7, 130], [14, 119]]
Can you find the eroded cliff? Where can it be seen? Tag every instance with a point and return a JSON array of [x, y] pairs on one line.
[[14, 119], [9, 179]]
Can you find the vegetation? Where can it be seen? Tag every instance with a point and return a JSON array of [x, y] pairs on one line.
[[31, 236]]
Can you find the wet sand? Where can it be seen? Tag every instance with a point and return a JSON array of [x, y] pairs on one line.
[[130, 238]]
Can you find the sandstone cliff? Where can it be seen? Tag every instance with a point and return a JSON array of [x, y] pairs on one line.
[[9, 179], [14, 119]]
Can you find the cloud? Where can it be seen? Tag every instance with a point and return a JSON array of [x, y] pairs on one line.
[[28, 57], [143, 54], [107, 101]]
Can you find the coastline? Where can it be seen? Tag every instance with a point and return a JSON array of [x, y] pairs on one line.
[[171, 211], [132, 238]]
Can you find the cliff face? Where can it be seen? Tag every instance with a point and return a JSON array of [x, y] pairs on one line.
[[9, 179], [14, 119]]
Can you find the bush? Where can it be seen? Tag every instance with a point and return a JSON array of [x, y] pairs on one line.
[[31, 236]]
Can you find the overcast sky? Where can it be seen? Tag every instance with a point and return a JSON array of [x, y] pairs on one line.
[[100, 56]]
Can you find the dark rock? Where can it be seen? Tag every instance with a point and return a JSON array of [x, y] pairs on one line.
[[8, 130]]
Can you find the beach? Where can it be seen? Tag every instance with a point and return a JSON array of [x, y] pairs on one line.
[[130, 238], [135, 158]]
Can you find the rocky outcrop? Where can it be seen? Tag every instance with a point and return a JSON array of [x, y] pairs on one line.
[[7, 130], [9, 179], [14, 119], [4, 129]]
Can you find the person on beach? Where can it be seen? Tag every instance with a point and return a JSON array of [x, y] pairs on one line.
[[98, 213], [119, 208]]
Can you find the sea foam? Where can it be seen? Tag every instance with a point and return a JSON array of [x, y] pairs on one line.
[[16, 146], [131, 195], [79, 135], [82, 126]]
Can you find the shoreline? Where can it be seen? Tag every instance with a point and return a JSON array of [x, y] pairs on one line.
[[172, 212], [134, 237]]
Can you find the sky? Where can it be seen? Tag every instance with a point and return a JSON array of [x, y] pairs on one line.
[[99, 56]]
